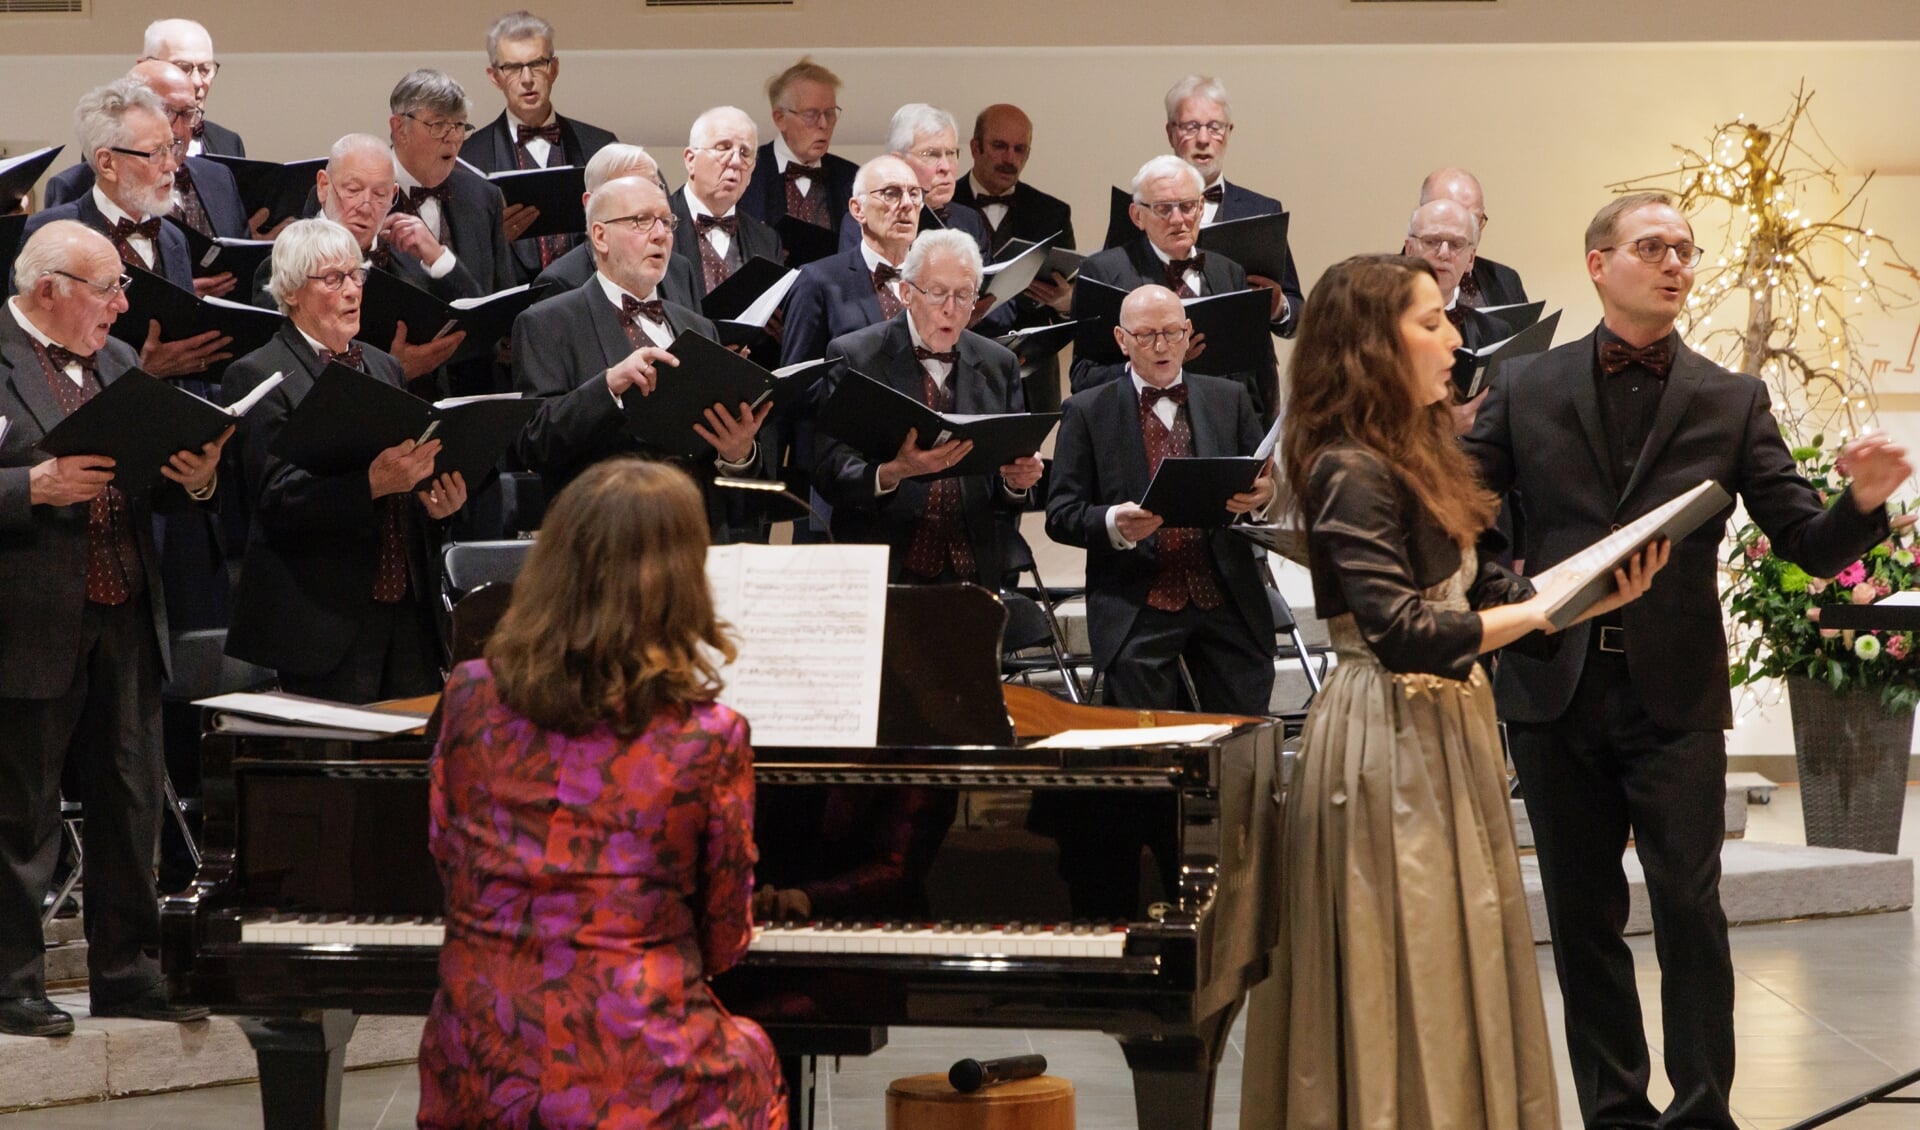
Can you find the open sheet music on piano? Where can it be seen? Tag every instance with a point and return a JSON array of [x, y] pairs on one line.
[[810, 623]]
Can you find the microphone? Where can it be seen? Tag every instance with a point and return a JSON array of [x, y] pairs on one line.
[[969, 1075]]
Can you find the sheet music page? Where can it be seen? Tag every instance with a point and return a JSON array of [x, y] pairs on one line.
[[309, 712], [810, 622]]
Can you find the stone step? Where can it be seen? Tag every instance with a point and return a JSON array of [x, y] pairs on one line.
[[1741, 790]]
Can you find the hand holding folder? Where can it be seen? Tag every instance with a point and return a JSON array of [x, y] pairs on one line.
[[1195, 492], [709, 376], [874, 420], [557, 193], [140, 422]]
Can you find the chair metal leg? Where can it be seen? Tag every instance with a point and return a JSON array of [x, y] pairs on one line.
[[1059, 639], [179, 810], [1186, 679], [70, 829]]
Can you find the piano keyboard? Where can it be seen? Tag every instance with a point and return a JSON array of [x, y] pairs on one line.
[[343, 930], [1060, 940]]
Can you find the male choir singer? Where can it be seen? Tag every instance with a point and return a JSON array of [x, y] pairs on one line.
[[187, 45], [794, 174], [713, 231], [680, 284]]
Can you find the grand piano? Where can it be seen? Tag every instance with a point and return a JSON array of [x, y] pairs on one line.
[[932, 863]]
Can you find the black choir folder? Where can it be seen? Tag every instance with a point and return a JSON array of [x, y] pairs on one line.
[[1037, 343], [1257, 243], [140, 421], [1673, 521], [19, 174], [1473, 368], [280, 189], [805, 242], [240, 258], [183, 314], [709, 374], [558, 191], [1062, 261], [349, 417], [1189, 491], [1238, 334], [388, 301], [874, 419]]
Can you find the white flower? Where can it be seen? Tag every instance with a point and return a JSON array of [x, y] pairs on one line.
[[1867, 647]]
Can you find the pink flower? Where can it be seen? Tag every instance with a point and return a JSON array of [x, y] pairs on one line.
[[1852, 575], [1829, 633], [1813, 614], [1760, 548], [1864, 593], [1899, 645], [1880, 588], [1816, 586]]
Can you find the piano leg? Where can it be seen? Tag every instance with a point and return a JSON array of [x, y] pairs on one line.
[[799, 1073], [1173, 1078], [300, 1058]]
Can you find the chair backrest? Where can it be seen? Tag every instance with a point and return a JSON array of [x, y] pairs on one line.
[[1026, 624], [469, 564], [474, 618], [1283, 621], [202, 669]]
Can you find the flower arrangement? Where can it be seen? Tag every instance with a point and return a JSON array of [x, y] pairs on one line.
[[1776, 605]]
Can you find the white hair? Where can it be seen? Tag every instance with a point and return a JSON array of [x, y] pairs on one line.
[[303, 248], [350, 145], [1473, 221], [914, 120], [927, 244], [615, 161], [48, 251], [1197, 86], [863, 178], [704, 125], [100, 118], [428, 89], [1165, 165], [159, 33], [517, 25], [600, 208]]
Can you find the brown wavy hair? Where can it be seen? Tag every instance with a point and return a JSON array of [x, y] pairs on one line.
[[612, 620], [1347, 384]]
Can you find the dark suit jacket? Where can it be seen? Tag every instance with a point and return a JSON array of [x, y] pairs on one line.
[[1541, 430], [214, 183], [680, 284], [562, 347], [1237, 203], [766, 195], [832, 298], [1499, 284], [985, 379], [1135, 265], [1100, 461], [755, 238], [474, 231], [1032, 216], [174, 260], [221, 141], [490, 150], [43, 549], [306, 584]]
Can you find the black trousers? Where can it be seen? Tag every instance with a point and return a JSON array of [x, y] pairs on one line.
[[1600, 772], [394, 655], [1232, 670], [107, 724]]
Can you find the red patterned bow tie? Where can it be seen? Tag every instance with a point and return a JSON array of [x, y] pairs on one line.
[[795, 171], [922, 353], [1616, 356], [1176, 393], [381, 256], [353, 357], [61, 358], [1456, 313], [728, 224], [884, 274], [549, 134], [651, 308], [1178, 268], [146, 229], [982, 200], [1215, 194], [420, 194]]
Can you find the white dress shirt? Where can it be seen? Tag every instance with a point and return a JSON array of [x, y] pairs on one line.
[[142, 246], [430, 216], [716, 238], [782, 157], [995, 213]]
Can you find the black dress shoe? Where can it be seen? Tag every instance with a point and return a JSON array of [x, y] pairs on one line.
[[152, 1005], [34, 1016]]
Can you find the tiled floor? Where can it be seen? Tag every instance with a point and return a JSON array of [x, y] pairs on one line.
[[1825, 1010]]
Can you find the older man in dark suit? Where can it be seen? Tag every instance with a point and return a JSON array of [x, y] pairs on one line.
[[714, 232], [83, 640], [794, 175], [187, 45], [1620, 733], [333, 593], [589, 354], [939, 529], [529, 134], [1488, 283], [1166, 209], [681, 283]]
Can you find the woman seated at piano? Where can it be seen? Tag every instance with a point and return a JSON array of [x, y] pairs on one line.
[[592, 819], [1404, 990]]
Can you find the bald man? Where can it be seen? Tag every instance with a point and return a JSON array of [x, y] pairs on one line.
[[681, 283], [1487, 283], [187, 45]]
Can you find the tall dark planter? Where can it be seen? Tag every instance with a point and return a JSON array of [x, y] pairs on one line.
[[1852, 753]]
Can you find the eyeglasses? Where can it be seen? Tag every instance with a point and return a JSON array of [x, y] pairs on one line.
[[204, 70], [814, 118], [334, 280], [1152, 339], [945, 297], [1654, 250], [893, 195], [109, 290], [1167, 209], [727, 151], [441, 131], [641, 225], [1442, 245], [1218, 130], [934, 155], [515, 70], [191, 115], [174, 149]]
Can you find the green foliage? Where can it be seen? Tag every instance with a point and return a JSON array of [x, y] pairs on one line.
[[1775, 606]]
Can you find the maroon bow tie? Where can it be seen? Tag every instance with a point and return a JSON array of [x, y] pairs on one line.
[[420, 194], [651, 308], [1215, 194], [795, 171], [1176, 393], [884, 274], [982, 200], [1178, 268], [1616, 356], [353, 357], [147, 229], [61, 358], [922, 353], [381, 256], [728, 224], [1457, 313], [549, 134]]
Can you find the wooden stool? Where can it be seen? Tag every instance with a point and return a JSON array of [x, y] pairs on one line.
[[929, 1102]]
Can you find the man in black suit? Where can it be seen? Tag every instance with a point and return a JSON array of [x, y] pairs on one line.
[[590, 355], [680, 284], [523, 65], [1621, 731], [83, 641], [187, 45], [334, 594], [1445, 234], [1489, 283], [926, 138], [939, 530], [1166, 208], [862, 285], [794, 175], [713, 231]]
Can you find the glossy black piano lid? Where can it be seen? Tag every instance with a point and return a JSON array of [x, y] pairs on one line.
[[339, 842]]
